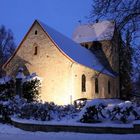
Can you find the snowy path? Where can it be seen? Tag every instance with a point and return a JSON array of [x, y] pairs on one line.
[[8, 132]]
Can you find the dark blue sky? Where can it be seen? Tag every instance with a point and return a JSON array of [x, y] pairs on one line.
[[63, 15]]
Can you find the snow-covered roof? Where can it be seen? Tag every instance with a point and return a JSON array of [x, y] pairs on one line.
[[94, 32], [75, 51]]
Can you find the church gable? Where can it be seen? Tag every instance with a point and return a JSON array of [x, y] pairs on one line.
[[33, 52]]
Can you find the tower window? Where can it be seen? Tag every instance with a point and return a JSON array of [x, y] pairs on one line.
[[108, 87], [35, 51], [83, 83], [96, 86], [35, 32], [86, 46]]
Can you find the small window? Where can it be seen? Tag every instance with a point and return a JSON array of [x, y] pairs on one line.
[[35, 51], [96, 86], [108, 87], [83, 83], [35, 32], [86, 46]]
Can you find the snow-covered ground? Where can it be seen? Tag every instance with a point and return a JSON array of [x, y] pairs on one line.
[[8, 132]]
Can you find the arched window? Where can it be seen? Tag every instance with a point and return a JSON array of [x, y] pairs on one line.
[[35, 50], [83, 83], [96, 86], [108, 87], [35, 32], [86, 46]]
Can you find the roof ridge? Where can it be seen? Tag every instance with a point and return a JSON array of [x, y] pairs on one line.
[[94, 32]]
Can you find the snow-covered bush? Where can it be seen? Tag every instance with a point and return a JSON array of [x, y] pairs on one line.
[[124, 112], [35, 111], [67, 111], [5, 112], [97, 110], [31, 87], [94, 111], [7, 88], [11, 107], [45, 111]]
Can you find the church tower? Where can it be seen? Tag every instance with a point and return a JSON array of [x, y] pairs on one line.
[[102, 39]]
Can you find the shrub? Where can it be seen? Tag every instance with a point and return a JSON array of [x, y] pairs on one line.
[[35, 111], [124, 112], [7, 88], [46, 111], [5, 112], [96, 111], [67, 111], [93, 112], [31, 88]]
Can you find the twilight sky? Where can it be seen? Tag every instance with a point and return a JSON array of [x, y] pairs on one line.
[[62, 15]]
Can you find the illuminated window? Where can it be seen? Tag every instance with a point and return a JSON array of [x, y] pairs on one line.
[[35, 32], [108, 87], [96, 86], [35, 51], [83, 83]]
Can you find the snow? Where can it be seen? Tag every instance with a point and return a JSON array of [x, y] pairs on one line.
[[32, 76], [8, 132], [125, 104], [75, 51], [20, 74], [95, 102], [5, 79], [136, 122], [94, 32], [106, 102]]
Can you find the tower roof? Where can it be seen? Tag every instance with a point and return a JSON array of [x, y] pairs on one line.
[[94, 32]]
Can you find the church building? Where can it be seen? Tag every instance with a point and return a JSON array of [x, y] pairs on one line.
[[86, 66]]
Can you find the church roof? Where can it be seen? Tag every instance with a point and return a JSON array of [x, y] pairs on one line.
[[75, 51], [71, 49], [94, 32]]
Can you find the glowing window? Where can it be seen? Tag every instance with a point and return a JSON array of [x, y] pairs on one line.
[[83, 83], [96, 86], [108, 87], [35, 50]]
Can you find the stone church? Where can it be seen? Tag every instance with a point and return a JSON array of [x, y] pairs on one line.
[[85, 67]]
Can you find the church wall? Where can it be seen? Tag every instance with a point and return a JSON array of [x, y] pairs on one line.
[[111, 50], [90, 74]]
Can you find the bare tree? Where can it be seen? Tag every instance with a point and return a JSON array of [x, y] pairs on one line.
[[7, 45], [126, 14]]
